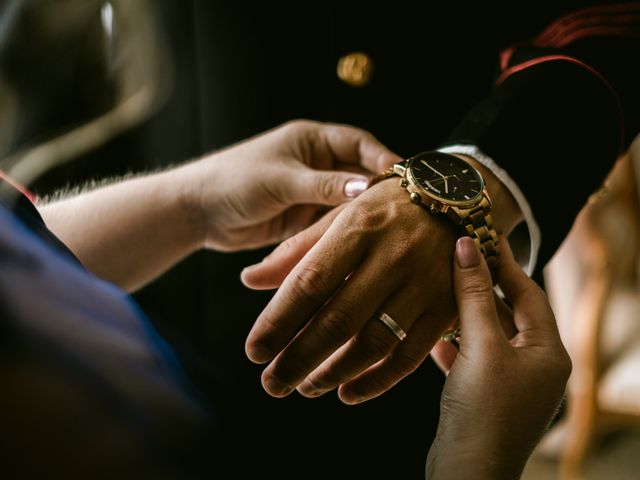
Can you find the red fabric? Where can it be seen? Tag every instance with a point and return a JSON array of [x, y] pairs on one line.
[[618, 20], [549, 58], [30, 195], [615, 20], [561, 58], [598, 30], [505, 57]]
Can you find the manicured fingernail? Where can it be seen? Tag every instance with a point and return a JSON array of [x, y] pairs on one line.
[[276, 387], [355, 187], [467, 253]]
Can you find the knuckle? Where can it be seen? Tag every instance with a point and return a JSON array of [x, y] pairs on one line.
[[374, 345], [338, 325], [308, 282], [271, 326], [378, 385], [404, 363], [297, 125], [287, 244], [327, 186], [366, 217], [291, 369], [477, 287]]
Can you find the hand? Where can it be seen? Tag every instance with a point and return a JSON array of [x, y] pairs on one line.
[[272, 186], [250, 195], [502, 390], [380, 253]]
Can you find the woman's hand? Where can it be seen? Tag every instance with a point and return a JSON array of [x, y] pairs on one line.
[[502, 391], [269, 187], [247, 196]]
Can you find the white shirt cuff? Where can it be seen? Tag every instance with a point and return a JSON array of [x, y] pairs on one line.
[[524, 249]]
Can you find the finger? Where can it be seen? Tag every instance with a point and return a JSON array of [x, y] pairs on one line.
[[443, 355], [314, 280], [378, 337], [532, 311], [505, 314], [474, 294], [290, 222], [354, 145], [353, 168], [274, 268], [322, 187], [345, 314], [402, 361]]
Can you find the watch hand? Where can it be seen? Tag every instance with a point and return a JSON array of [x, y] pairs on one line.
[[429, 166]]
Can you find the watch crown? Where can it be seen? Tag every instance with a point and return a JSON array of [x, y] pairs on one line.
[[415, 198]]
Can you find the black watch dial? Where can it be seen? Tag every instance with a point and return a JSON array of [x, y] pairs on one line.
[[447, 177]]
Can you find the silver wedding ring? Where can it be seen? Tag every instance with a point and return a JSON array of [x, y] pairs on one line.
[[393, 326]]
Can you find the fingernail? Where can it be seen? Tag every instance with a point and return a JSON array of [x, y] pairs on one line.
[[307, 389], [276, 387], [259, 353], [350, 398], [355, 187], [467, 253]]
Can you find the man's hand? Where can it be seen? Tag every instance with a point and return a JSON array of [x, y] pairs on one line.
[[502, 390], [380, 253]]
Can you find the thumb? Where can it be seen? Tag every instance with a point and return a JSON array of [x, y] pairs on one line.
[[527, 298], [321, 187], [274, 268], [474, 294]]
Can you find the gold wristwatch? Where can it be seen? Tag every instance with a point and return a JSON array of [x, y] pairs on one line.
[[445, 183]]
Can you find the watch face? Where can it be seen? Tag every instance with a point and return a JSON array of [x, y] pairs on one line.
[[446, 177]]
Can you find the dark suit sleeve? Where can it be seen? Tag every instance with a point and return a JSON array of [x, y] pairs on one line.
[[563, 108]]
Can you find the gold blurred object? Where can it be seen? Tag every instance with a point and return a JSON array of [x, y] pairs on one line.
[[355, 69]]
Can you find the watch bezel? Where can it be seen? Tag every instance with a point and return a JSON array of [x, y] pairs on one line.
[[413, 181]]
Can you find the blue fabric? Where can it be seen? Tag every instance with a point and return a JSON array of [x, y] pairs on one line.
[[59, 316]]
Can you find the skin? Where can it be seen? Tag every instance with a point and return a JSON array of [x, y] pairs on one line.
[[380, 253], [503, 389], [253, 194], [506, 357]]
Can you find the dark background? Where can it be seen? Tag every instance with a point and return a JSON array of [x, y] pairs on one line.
[[244, 67]]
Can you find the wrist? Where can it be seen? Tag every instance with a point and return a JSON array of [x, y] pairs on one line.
[[183, 188], [505, 210], [476, 457]]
